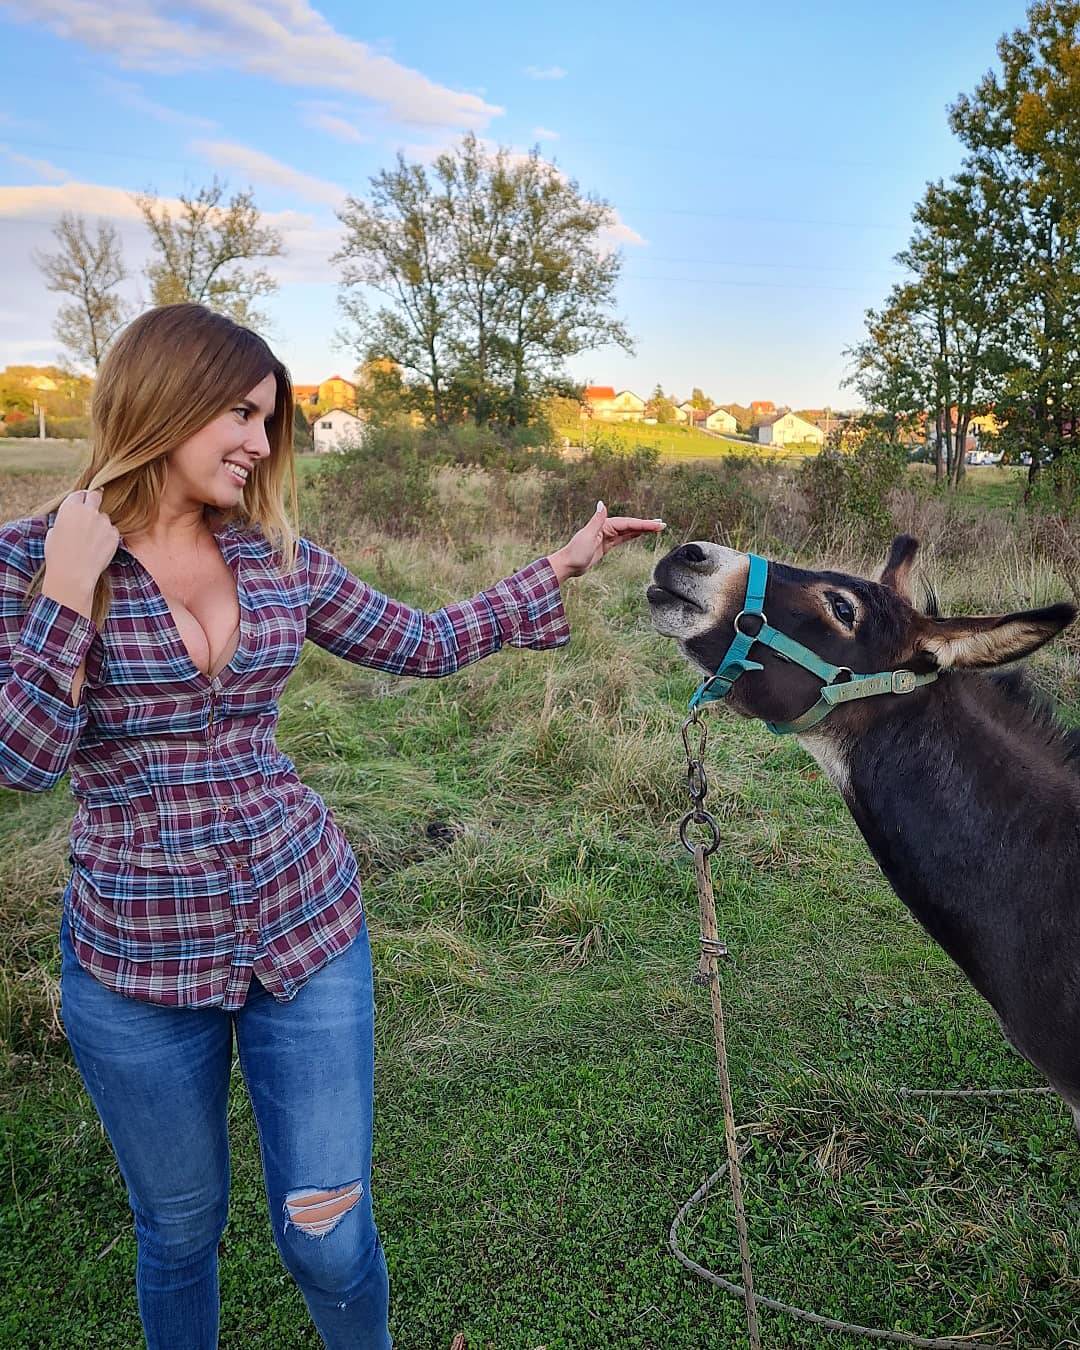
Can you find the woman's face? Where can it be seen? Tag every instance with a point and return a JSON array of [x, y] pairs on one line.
[[199, 472]]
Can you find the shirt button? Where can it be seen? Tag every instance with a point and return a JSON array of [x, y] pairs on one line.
[[224, 808]]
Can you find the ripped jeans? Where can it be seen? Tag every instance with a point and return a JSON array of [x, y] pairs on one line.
[[159, 1079]]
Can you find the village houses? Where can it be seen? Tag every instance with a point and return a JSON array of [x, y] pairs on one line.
[[787, 429], [606, 405]]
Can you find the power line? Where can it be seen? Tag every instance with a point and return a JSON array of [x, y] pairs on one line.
[[748, 285], [638, 209]]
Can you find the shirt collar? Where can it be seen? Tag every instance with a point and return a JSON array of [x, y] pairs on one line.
[[225, 534]]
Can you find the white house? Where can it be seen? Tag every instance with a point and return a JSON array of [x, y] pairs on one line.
[[685, 412], [787, 429], [334, 428], [719, 420]]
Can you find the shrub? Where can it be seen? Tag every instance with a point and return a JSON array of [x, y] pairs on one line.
[[383, 479], [624, 481], [847, 489]]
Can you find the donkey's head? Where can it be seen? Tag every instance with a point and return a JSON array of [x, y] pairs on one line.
[[699, 590]]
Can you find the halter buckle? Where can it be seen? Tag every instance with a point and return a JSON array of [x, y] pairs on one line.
[[904, 681]]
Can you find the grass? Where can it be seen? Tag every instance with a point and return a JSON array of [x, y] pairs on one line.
[[546, 1092], [986, 487], [675, 443]]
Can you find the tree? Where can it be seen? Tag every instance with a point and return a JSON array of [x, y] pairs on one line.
[[892, 368], [489, 272], [936, 342], [1022, 132], [661, 407], [700, 402], [194, 252], [302, 437], [397, 245], [89, 271], [959, 296]]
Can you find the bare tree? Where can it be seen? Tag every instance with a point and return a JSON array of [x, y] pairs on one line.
[[89, 271], [194, 252]]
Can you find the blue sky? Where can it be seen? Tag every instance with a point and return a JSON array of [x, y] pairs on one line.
[[763, 159]]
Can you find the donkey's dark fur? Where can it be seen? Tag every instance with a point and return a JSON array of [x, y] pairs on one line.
[[967, 790]]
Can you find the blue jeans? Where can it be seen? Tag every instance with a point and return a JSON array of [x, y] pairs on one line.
[[159, 1080]]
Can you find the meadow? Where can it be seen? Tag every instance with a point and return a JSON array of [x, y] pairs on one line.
[[675, 443], [546, 1093]]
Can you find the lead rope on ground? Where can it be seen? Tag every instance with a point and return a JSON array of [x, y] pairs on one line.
[[708, 972]]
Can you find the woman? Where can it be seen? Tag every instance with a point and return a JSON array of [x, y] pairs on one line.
[[210, 889]]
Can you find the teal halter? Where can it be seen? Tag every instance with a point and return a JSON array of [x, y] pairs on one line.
[[835, 690]]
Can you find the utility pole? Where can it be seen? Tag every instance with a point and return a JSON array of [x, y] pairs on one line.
[[39, 408]]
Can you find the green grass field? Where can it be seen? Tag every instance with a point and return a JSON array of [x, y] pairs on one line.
[[674, 443], [546, 1091]]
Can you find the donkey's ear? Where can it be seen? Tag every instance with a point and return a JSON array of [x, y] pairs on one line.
[[899, 566], [974, 644]]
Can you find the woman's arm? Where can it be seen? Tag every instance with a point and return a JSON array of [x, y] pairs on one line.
[[41, 650], [348, 617]]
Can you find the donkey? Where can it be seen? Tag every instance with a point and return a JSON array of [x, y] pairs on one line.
[[963, 782]]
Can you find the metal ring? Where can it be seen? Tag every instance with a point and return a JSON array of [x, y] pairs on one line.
[[709, 822], [753, 614], [843, 670], [697, 781]]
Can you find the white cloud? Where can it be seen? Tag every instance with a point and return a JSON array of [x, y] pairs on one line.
[[286, 41], [261, 168], [131, 95], [41, 167], [328, 117], [546, 72], [545, 134]]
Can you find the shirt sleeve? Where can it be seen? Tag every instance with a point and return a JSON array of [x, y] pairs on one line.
[[348, 617], [41, 648]]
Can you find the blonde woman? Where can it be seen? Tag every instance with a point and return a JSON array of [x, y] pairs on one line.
[[149, 621]]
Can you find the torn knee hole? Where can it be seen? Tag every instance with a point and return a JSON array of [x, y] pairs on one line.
[[317, 1212]]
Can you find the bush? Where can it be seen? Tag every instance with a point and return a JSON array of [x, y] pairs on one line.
[[59, 428], [714, 502], [383, 479], [848, 490], [624, 481]]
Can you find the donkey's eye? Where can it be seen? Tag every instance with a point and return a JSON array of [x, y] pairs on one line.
[[842, 608]]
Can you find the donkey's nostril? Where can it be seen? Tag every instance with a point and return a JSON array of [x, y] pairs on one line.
[[692, 553]]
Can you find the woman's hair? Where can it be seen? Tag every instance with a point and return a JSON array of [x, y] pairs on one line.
[[172, 371]]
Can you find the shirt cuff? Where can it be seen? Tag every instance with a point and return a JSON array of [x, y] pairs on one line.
[[52, 644], [529, 607]]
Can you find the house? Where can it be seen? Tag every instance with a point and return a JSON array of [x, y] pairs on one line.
[[979, 428], [787, 429], [687, 412], [606, 405], [719, 420], [762, 408], [336, 429], [332, 393], [598, 399], [337, 392]]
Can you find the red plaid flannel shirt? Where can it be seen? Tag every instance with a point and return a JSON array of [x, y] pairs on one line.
[[197, 853]]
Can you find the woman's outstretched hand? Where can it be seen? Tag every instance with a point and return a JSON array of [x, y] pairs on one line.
[[593, 540]]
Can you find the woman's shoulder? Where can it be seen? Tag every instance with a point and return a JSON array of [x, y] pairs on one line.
[[22, 542]]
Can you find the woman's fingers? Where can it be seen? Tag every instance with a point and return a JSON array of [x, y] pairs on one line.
[[633, 523]]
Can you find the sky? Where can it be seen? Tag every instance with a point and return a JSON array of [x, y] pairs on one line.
[[762, 159]]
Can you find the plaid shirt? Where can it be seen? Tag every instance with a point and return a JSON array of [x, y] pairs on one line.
[[197, 854]]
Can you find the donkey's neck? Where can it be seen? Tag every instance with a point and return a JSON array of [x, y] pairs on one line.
[[972, 812]]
